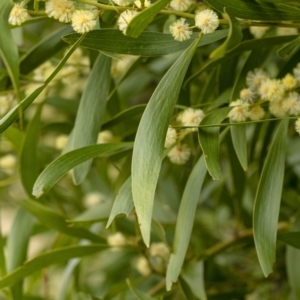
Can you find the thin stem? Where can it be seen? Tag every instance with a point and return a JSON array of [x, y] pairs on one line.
[[246, 234]]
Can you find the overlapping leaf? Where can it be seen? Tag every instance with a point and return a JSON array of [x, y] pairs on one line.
[[185, 221], [147, 44], [267, 200], [68, 161], [148, 148], [90, 112]]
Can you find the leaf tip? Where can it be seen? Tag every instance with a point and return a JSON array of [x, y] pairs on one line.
[[37, 192]]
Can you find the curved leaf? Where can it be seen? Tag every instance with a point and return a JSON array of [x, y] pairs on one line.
[[287, 49], [123, 203], [68, 161], [290, 238], [44, 260], [147, 44], [90, 112], [55, 221], [267, 200], [137, 25], [29, 153], [209, 141], [252, 10], [239, 140], [8, 48], [185, 221], [148, 148], [234, 37]]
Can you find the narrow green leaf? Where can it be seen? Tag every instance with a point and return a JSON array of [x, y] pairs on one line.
[[123, 203], [147, 44], [90, 112], [15, 136], [185, 221], [43, 50], [148, 148], [13, 114], [186, 290], [194, 277], [44, 260], [139, 295], [209, 141], [290, 238], [137, 25], [55, 221], [68, 161], [293, 262], [234, 37], [238, 135], [267, 200], [257, 11], [17, 245], [8, 49], [29, 153], [287, 49]]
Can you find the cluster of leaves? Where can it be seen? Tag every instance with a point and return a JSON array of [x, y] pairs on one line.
[[196, 211]]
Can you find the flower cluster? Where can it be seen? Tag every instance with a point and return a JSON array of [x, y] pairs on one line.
[[180, 153], [64, 11], [279, 95], [206, 20]]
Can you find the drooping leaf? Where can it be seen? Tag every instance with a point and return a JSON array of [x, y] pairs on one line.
[[17, 245], [43, 50], [252, 10], [194, 277], [8, 48], [90, 112], [234, 37], [293, 259], [267, 200], [209, 141], [139, 295], [238, 135], [290, 238], [29, 153], [288, 49], [148, 148], [49, 258], [185, 221], [68, 161], [53, 220], [147, 44], [137, 25], [123, 203], [13, 114]]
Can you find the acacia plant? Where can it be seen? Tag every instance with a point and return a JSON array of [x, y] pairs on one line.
[[149, 149]]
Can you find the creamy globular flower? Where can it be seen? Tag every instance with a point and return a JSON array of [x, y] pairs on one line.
[[191, 117], [277, 108], [160, 250], [181, 5], [291, 104], [256, 113], [207, 20], [138, 3], [180, 154], [171, 137], [258, 31], [272, 89], [297, 125], [18, 15], [83, 21], [180, 30], [247, 95], [289, 81], [239, 112], [116, 240], [296, 72], [61, 10], [255, 78], [125, 18]]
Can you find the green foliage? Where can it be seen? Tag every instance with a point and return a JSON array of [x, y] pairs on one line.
[[162, 163]]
